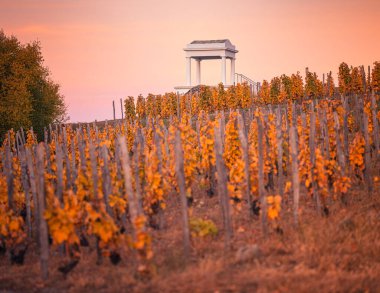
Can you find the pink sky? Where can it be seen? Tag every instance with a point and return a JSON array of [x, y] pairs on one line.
[[99, 51]]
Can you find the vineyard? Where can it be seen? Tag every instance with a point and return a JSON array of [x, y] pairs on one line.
[[212, 189]]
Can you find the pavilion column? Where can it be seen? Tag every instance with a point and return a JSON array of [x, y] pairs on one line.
[[232, 78], [224, 70], [198, 62], [188, 71]]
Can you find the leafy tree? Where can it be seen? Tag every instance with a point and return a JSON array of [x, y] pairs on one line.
[[28, 96]]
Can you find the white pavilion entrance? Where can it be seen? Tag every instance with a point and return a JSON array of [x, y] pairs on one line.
[[208, 50]]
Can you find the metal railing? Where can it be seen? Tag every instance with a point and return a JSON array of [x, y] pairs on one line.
[[241, 78]]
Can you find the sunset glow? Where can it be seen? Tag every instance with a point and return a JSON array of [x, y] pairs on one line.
[[99, 51]]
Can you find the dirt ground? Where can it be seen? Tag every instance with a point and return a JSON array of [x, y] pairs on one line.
[[335, 253]]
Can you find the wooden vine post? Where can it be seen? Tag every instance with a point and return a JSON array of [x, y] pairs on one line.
[[295, 176], [136, 172], [222, 187], [367, 155], [94, 173], [262, 193], [74, 171], [339, 151], [222, 127], [47, 150], [59, 163], [178, 107], [43, 228], [33, 187], [179, 168], [326, 141], [9, 176], [244, 144], [136, 215], [158, 143], [66, 157], [106, 179], [375, 124], [345, 127], [127, 172], [25, 185], [113, 108], [82, 156], [314, 184], [279, 153]]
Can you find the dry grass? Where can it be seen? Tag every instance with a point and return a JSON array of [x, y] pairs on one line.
[[338, 253]]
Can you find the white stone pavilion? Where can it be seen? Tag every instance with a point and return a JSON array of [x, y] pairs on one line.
[[208, 50]]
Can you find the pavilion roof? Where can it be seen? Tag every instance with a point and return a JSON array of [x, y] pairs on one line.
[[209, 45], [209, 41]]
